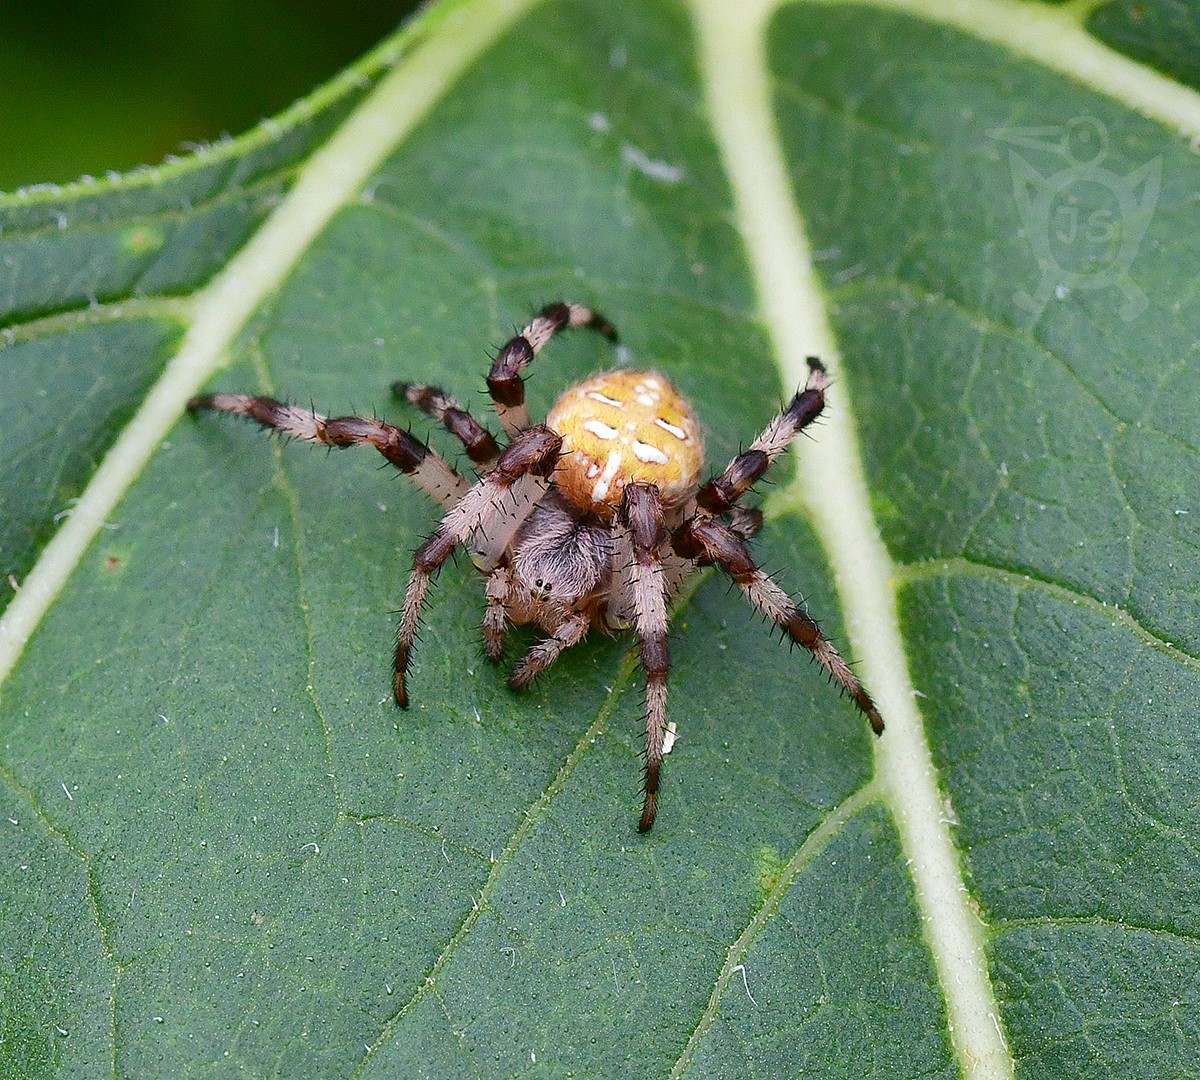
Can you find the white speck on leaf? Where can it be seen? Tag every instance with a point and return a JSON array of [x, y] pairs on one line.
[[651, 167]]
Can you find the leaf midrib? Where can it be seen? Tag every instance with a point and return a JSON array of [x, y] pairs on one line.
[[794, 308]]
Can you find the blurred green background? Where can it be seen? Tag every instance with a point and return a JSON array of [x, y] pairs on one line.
[[88, 86]]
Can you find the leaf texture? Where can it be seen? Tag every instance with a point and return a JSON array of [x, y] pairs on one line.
[[223, 851]]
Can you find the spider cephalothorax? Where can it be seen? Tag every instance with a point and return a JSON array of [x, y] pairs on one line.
[[594, 518]]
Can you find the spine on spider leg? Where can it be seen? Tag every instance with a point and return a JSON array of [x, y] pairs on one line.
[[504, 380], [559, 315], [397, 445], [427, 469], [804, 631], [528, 460], [278, 415], [426, 562]]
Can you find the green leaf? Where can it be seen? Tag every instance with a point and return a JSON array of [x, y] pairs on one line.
[[222, 848]]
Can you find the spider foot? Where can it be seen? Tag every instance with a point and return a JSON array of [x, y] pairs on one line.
[[649, 809]]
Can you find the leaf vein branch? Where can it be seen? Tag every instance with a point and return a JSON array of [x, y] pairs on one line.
[[987, 324], [529, 818], [1071, 922], [1054, 37], [93, 899], [909, 573], [829, 827], [222, 195], [166, 308]]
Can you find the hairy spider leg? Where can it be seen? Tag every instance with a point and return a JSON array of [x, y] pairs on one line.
[[495, 615], [425, 467], [641, 516], [721, 493], [745, 522], [504, 380], [502, 499], [569, 632], [712, 542], [478, 442]]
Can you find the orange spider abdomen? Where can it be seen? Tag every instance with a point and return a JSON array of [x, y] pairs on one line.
[[624, 426]]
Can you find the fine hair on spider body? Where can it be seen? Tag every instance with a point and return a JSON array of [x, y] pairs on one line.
[[594, 518]]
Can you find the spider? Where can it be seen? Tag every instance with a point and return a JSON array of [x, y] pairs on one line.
[[594, 518]]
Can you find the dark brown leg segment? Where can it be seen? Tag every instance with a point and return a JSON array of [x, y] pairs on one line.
[[476, 439], [710, 541], [504, 380], [722, 492], [427, 469], [642, 515]]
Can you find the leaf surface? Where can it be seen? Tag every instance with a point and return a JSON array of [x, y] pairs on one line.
[[222, 848]]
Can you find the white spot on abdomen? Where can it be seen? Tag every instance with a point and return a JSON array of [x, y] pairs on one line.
[[678, 432], [600, 429], [646, 452], [611, 467], [595, 395]]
